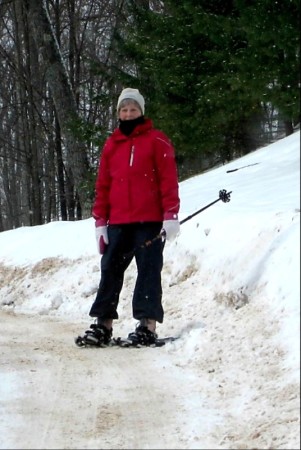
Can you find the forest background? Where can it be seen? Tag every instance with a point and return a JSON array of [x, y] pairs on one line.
[[214, 74]]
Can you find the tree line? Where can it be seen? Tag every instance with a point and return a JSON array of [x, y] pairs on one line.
[[220, 77]]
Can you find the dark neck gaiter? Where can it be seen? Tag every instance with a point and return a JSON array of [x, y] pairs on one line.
[[127, 126]]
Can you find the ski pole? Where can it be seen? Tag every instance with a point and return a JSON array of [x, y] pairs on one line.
[[224, 196]]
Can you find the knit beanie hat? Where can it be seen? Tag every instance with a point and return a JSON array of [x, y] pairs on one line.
[[133, 94]]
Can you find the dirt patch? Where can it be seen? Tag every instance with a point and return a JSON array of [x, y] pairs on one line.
[[11, 274], [48, 265]]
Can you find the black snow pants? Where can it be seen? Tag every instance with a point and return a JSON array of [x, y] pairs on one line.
[[125, 243]]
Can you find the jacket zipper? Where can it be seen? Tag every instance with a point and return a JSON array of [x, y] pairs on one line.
[[132, 155]]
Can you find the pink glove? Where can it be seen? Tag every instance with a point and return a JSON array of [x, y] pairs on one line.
[[171, 226], [101, 234]]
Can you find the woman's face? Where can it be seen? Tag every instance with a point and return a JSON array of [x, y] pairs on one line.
[[129, 111]]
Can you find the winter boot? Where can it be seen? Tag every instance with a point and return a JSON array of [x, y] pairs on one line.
[[142, 336]]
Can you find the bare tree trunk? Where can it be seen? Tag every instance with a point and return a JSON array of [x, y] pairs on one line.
[[32, 131], [289, 129], [60, 172]]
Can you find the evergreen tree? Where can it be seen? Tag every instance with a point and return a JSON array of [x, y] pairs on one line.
[[270, 62], [192, 62]]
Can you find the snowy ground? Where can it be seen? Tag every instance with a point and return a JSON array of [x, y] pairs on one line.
[[231, 290]]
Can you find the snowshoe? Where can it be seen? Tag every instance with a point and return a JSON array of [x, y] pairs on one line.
[[126, 343], [97, 336], [141, 337]]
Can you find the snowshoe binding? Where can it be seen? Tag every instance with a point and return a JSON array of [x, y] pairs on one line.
[[97, 336], [141, 337]]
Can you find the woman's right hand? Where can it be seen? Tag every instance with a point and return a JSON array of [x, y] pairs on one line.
[[101, 234]]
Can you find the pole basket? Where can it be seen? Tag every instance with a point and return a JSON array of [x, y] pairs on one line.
[[224, 195]]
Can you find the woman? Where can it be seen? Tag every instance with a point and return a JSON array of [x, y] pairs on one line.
[[136, 203]]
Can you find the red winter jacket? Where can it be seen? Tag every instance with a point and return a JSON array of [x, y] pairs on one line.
[[137, 178]]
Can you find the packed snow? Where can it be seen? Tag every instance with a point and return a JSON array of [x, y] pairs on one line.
[[231, 292]]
